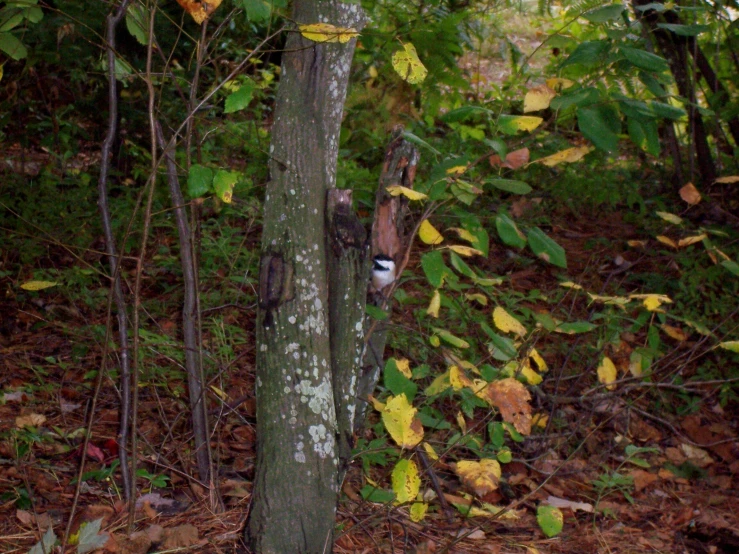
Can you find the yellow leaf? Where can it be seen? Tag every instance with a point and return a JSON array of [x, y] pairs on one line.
[[636, 243], [538, 98], [687, 241], [674, 332], [607, 373], [609, 300], [38, 285], [540, 420], [406, 482], [464, 250], [671, 218], [219, 393], [481, 477], [538, 360], [400, 420], [464, 234], [690, 194], [461, 422], [418, 511], [524, 122], [408, 66], [438, 385], [404, 366], [379, 406], [507, 323], [430, 452], [456, 170], [531, 376], [410, 194], [428, 233], [635, 364], [730, 345], [666, 240], [570, 285], [729, 179], [458, 379], [434, 305], [557, 83], [477, 297], [325, 32], [651, 301], [569, 155]]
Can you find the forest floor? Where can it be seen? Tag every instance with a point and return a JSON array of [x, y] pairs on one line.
[[684, 497]]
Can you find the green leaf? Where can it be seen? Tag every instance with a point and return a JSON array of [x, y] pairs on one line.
[[380, 496], [257, 11], [546, 249], [398, 383], [654, 86], [435, 269], [605, 13], [504, 455], [667, 111], [595, 127], [12, 46], [550, 519], [137, 23], [89, 538], [223, 184], [732, 266], [588, 53], [460, 114], [462, 268], [199, 181], [10, 19], [508, 231], [375, 313], [501, 348], [730, 345], [575, 327], [644, 60], [240, 99], [581, 97], [684, 30], [510, 185], [449, 338], [410, 137], [645, 134]]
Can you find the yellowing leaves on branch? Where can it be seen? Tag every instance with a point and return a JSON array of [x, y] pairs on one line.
[[408, 66], [406, 482], [607, 373], [325, 32]]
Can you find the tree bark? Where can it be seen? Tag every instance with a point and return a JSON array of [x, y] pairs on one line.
[[296, 484]]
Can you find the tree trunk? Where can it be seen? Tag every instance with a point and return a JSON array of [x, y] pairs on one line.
[[296, 484]]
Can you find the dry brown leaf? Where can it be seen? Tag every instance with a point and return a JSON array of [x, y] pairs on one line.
[[512, 399], [180, 536], [642, 478], [690, 194], [29, 420], [513, 160]]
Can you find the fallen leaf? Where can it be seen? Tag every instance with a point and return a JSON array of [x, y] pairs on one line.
[[558, 502], [481, 477], [642, 479], [512, 399], [690, 194], [30, 420]]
